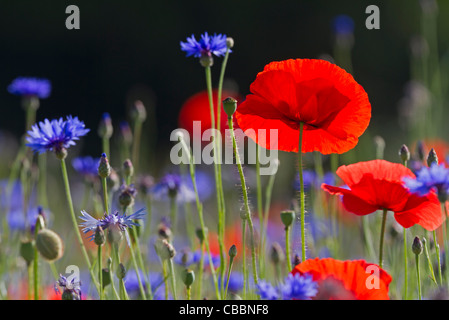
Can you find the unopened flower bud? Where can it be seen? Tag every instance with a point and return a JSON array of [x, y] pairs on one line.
[[121, 271], [432, 157], [229, 42], [404, 153], [287, 217], [232, 251], [164, 231], [139, 112], [417, 246], [207, 61], [27, 251], [127, 195], [229, 106], [114, 235], [420, 153], [99, 237], [164, 249], [105, 129], [61, 153], [276, 253], [104, 169], [106, 277], [128, 168], [49, 245], [296, 260], [188, 277], [200, 235], [126, 133]]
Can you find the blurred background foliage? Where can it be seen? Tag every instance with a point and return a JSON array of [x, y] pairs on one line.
[[127, 50]]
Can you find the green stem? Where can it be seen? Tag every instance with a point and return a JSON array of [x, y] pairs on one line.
[[200, 271], [136, 267], [245, 201], [54, 271], [173, 213], [105, 145], [405, 265], [200, 214], [75, 225], [36, 264], [100, 272], [287, 249], [30, 281], [42, 183], [122, 288], [217, 173], [164, 273], [136, 144], [259, 206], [429, 262], [382, 234], [418, 276], [189, 292], [173, 278], [437, 249], [105, 195], [231, 261], [302, 195], [245, 275]]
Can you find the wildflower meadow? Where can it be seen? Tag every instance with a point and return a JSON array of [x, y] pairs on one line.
[[288, 186]]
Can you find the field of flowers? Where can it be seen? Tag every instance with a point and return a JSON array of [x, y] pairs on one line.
[[264, 198]]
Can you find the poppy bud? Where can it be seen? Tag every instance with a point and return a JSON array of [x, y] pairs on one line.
[[432, 157], [229, 106], [139, 112], [233, 251], [128, 169], [106, 277], [417, 246], [105, 129], [27, 251], [104, 169], [188, 277], [200, 234], [404, 153], [276, 254], [121, 271], [49, 245], [99, 238], [287, 218]]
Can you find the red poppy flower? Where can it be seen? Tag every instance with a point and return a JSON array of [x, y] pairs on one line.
[[334, 108], [377, 184], [196, 108], [346, 280]]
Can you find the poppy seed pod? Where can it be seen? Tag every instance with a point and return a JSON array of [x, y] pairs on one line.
[[230, 106], [188, 277], [49, 245], [287, 218]]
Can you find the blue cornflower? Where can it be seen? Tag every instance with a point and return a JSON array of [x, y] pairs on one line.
[[156, 282], [298, 287], [86, 166], [173, 186], [435, 177], [343, 25], [114, 222], [24, 86], [55, 135], [266, 291], [235, 282], [71, 290], [206, 46]]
